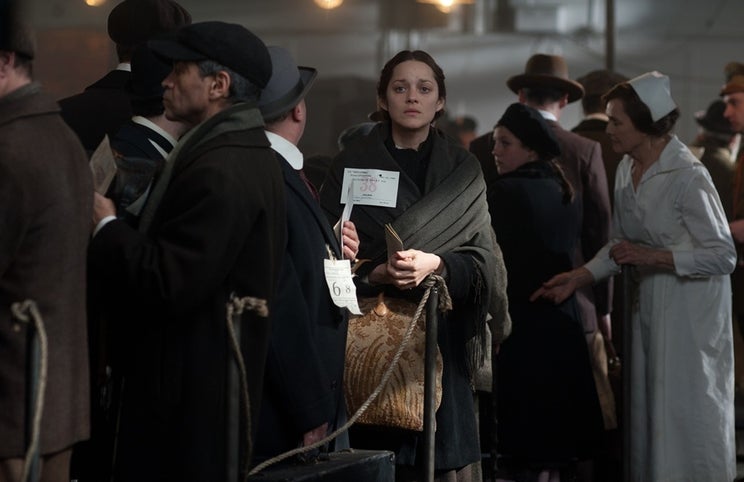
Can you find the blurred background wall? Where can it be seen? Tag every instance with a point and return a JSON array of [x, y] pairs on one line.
[[479, 45]]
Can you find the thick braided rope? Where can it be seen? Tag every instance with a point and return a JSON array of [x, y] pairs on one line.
[[27, 312], [236, 307], [445, 304]]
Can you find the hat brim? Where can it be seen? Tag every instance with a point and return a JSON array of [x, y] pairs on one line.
[[171, 49], [713, 126], [291, 99], [732, 88], [574, 90]]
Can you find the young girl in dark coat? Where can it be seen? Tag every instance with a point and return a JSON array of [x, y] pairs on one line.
[[547, 409]]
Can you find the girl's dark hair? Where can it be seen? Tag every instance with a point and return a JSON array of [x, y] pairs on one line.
[[566, 187], [639, 113], [387, 73]]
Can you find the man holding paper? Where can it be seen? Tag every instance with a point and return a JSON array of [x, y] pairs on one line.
[[303, 396]]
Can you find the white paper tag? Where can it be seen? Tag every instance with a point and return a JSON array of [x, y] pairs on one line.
[[371, 187], [340, 284]]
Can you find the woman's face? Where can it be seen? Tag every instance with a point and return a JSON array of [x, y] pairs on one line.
[[412, 96], [508, 151], [623, 134]]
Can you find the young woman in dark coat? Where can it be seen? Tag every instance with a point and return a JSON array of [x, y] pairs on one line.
[[441, 215]]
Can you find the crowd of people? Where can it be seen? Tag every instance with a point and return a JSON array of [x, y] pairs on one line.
[[181, 315]]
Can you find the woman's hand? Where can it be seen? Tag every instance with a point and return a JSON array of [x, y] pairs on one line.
[[350, 240], [407, 269], [626, 252], [563, 285]]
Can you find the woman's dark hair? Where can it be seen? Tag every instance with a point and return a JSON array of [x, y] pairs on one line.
[[639, 113], [404, 55]]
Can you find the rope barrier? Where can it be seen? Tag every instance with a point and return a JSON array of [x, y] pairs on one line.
[[445, 304], [28, 312]]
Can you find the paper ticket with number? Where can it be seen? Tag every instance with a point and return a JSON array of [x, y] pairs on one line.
[[371, 187]]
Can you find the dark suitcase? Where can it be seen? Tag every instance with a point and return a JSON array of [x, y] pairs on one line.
[[356, 466]]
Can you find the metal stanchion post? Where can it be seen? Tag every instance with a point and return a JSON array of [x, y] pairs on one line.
[[626, 367], [430, 380], [233, 415], [32, 394]]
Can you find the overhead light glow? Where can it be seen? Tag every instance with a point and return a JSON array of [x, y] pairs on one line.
[[329, 4], [446, 5], [95, 3]]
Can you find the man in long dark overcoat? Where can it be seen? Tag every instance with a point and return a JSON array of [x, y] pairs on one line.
[[209, 238]]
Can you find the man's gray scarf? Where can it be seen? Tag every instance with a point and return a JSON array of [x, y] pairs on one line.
[[238, 117]]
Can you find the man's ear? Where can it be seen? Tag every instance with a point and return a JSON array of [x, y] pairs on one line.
[[564, 101], [298, 112], [7, 61], [220, 88]]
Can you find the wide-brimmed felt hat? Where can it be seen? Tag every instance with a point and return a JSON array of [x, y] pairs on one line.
[[133, 22], [288, 85], [550, 71], [734, 72], [529, 126], [654, 90], [228, 44], [598, 82], [712, 118]]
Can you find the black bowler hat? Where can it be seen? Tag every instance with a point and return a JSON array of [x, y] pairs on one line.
[[288, 85], [228, 44], [712, 119], [133, 22], [531, 129]]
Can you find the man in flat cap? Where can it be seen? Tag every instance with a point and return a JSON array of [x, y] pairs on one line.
[[105, 105], [203, 262], [45, 207], [303, 394]]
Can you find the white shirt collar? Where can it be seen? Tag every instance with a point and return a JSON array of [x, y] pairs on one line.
[[548, 115], [126, 66], [287, 150], [138, 119]]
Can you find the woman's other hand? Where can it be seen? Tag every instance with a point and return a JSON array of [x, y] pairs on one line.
[[558, 288], [407, 269]]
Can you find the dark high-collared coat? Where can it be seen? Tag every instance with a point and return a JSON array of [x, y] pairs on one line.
[[217, 231], [45, 209], [99, 110]]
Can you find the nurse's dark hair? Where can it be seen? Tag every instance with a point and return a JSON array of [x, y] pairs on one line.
[[404, 55], [639, 113]]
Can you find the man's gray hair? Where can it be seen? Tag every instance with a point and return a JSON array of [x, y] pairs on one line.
[[241, 89]]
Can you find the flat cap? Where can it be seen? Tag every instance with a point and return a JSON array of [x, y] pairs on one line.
[[228, 44], [133, 22]]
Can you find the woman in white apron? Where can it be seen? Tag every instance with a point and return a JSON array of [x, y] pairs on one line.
[[670, 228]]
